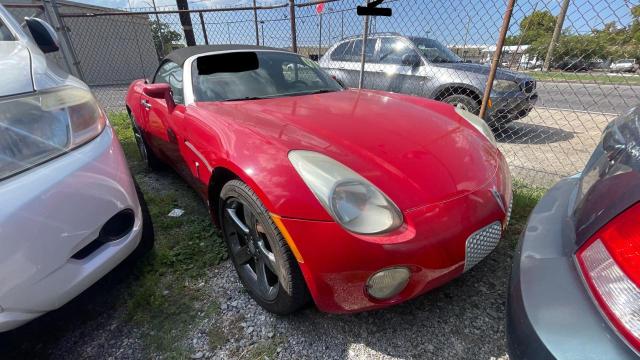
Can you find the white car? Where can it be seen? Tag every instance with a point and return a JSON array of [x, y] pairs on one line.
[[70, 210], [624, 65]]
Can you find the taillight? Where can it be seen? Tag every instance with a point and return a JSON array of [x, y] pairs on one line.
[[610, 264]]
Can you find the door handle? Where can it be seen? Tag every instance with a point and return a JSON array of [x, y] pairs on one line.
[[146, 104]]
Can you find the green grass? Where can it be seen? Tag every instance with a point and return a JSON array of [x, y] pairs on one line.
[[165, 298], [585, 77], [525, 198]]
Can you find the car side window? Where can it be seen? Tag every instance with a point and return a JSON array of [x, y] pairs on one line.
[[5, 33], [392, 50], [171, 73], [338, 54], [356, 51]]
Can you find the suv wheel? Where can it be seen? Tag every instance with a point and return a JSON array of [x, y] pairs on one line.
[[463, 102]]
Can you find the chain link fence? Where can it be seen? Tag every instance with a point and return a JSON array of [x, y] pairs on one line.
[[566, 69]]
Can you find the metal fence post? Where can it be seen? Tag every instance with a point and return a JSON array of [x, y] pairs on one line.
[[496, 57], [556, 34], [67, 50], [294, 35], [204, 29], [365, 34], [255, 21], [185, 21], [320, 37]]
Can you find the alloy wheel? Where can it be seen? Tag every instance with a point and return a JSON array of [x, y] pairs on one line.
[[250, 249]]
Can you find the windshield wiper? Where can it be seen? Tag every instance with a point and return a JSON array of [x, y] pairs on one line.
[[247, 98], [322, 91]]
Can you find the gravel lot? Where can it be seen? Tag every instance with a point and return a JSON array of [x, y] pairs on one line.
[[462, 320]]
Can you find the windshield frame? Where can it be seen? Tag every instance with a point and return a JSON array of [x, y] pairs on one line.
[[455, 59], [189, 96]]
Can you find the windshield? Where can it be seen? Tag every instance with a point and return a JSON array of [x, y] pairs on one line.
[[434, 51], [257, 75], [625, 61]]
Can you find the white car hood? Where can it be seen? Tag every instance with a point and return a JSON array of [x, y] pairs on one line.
[[15, 67]]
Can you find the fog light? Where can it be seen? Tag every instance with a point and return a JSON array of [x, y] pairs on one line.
[[388, 282]]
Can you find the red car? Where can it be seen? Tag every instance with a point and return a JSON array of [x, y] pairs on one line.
[[357, 199]]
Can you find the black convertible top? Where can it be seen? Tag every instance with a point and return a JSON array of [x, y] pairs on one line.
[[179, 56]]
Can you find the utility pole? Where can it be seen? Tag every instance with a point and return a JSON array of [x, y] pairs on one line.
[[556, 34], [255, 22], [262, 30], [294, 36], [496, 57], [185, 21]]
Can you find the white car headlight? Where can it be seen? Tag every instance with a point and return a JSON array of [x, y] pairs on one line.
[[40, 126], [479, 124], [352, 201], [504, 86]]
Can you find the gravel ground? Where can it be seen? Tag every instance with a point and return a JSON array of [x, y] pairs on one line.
[[463, 319]]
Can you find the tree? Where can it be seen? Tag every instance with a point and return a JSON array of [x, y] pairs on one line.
[[163, 37], [533, 27]]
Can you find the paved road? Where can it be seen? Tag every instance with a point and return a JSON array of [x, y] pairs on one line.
[[612, 99]]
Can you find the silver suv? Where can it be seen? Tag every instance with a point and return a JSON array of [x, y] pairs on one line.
[[424, 67]]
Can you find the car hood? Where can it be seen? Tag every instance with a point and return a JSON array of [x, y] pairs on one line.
[[15, 66], [502, 74], [417, 151]]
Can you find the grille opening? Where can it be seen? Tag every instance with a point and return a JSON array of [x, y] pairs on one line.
[[117, 227]]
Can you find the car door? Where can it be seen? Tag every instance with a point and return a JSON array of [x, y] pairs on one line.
[[161, 123], [393, 73]]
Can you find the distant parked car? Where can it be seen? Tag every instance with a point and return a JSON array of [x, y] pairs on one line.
[[572, 64], [624, 65], [70, 211], [358, 199], [425, 67], [575, 285]]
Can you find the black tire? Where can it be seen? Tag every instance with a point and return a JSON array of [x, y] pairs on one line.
[[463, 101], [148, 234], [259, 252], [147, 155]]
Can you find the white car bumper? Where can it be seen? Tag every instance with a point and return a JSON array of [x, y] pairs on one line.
[[51, 212]]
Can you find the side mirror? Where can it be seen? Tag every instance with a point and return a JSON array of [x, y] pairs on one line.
[[338, 81], [412, 60], [43, 34], [160, 91]]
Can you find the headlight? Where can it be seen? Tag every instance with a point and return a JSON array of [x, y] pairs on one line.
[[505, 86], [38, 127], [352, 201], [479, 124]]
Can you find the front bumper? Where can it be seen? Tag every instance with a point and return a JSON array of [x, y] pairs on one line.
[[52, 211], [511, 106], [550, 313], [433, 243]]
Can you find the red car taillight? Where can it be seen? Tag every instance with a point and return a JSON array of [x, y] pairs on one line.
[[610, 264]]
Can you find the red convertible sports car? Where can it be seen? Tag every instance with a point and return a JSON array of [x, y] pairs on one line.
[[356, 199]]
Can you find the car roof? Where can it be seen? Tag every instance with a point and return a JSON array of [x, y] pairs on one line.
[[179, 56]]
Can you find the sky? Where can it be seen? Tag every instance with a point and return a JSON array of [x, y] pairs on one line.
[[453, 22]]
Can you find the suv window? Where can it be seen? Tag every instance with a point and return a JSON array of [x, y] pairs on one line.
[[338, 53], [369, 50], [5, 33], [171, 74], [392, 49]]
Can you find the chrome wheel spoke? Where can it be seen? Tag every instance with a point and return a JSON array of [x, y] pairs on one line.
[[261, 276], [241, 228], [268, 257]]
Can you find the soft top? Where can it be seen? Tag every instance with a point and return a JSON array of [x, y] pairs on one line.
[[179, 56]]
